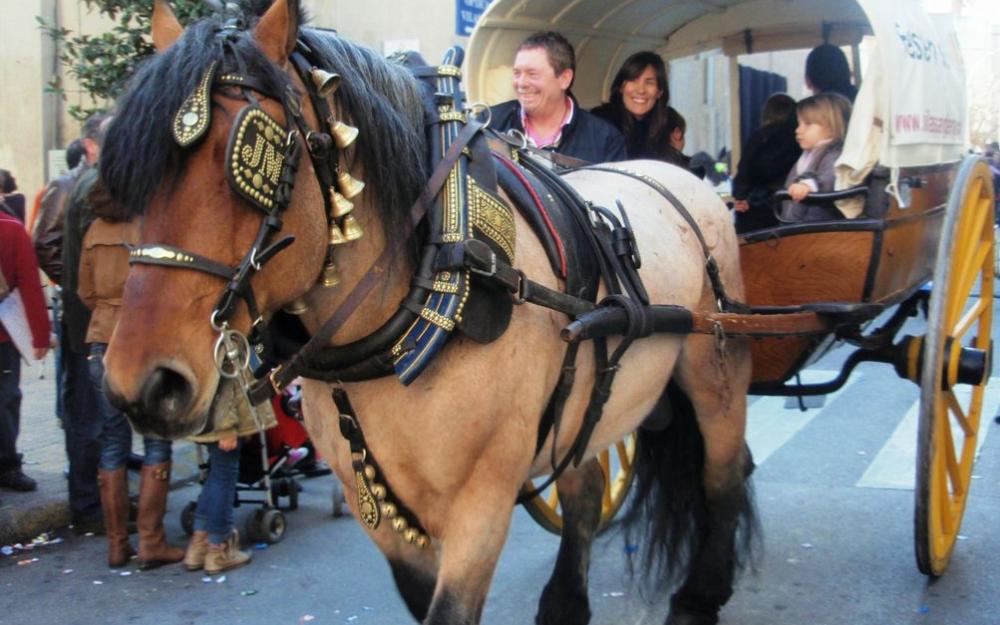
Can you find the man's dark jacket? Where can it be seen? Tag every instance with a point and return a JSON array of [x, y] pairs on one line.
[[585, 137], [48, 233], [76, 315]]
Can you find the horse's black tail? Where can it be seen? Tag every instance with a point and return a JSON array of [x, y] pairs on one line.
[[667, 515]]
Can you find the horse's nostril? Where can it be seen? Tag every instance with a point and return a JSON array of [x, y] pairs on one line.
[[166, 394]]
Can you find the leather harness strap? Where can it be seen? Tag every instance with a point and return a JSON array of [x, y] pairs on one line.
[[284, 374]]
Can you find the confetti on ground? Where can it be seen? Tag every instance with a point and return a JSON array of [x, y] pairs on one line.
[[923, 609], [7, 550], [248, 593], [125, 573], [206, 579], [98, 582], [962, 537], [67, 571], [793, 560], [305, 618], [807, 545], [220, 579], [261, 546]]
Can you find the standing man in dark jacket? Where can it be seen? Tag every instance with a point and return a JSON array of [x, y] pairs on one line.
[[549, 117], [20, 272], [81, 412]]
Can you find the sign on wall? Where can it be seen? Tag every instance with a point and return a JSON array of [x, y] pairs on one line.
[[467, 13]]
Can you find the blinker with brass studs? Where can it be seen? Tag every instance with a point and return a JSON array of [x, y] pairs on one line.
[[343, 134], [349, 185], [325, 82], [352, 229]]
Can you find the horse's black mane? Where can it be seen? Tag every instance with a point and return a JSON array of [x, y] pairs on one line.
[[380, 97]]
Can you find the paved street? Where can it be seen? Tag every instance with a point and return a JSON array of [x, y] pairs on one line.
[[834, 490]]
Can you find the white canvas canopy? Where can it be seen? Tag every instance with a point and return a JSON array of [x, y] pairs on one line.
[[911, 109]]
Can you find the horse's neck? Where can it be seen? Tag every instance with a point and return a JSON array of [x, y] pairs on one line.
[[354, 261]]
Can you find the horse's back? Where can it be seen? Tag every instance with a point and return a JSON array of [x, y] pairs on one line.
[[673, 263]]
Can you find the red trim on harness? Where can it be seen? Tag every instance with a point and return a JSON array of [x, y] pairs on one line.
[[541, 208]]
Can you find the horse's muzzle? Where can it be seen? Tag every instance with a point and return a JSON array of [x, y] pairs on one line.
[[163, 407]]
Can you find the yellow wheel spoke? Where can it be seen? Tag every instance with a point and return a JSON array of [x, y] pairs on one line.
[[958, 413], [970, 317], [553, 499], [951, 461], [966, 278], [623, 458]]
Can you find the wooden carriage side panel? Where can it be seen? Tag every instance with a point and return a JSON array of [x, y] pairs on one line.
[[911, 237], [807, 267], [775, 359], [796, 267]]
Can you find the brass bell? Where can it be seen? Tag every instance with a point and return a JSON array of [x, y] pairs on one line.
[[352, 229], [326, 82], [388, 510], [341, 205], [336, 236], [422, 541], [296, 307], [349, 185], [399, 524], [330, 276], [410, 535], [378, 490], [343, 134], [369, 472]]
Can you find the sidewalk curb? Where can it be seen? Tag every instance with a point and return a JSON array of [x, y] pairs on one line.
[[47, 512]]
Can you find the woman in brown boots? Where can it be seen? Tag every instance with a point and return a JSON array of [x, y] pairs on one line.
[[103, 269], [214, 546]]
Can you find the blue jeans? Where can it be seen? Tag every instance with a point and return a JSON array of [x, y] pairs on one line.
[[10, 406], [116, 433], [214, 510], [82, 424]]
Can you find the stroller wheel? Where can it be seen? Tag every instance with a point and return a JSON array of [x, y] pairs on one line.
[[266, 525], [187, 517]]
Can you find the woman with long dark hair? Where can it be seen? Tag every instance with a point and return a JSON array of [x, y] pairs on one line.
[[638, 108]]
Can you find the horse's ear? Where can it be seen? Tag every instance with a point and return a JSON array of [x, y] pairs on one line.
[[278, 29], [166, 29]]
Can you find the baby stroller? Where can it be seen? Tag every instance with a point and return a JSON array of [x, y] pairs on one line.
[[271, 465]]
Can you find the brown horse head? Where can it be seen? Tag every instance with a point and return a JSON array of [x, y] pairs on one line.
[[160, 364]]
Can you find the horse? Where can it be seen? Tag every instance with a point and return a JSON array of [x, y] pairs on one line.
[[456, 444]]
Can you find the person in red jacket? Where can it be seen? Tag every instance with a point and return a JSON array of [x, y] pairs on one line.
[[20, 272]]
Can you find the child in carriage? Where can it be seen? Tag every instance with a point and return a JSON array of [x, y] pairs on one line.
[[822, 127]]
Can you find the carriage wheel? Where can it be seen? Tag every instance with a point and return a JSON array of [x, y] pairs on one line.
[[617, 466], [956, 360]]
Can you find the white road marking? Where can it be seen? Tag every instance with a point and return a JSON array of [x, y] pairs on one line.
[[895, 465], [770, 425]]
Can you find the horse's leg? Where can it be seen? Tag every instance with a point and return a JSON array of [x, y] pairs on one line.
[[720, 410], [471, 540], [564, 600]]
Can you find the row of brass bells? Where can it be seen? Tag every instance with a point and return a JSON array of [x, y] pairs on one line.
[[350, 230], [350, 186], [329, 277], [391, 513], [326, 84]]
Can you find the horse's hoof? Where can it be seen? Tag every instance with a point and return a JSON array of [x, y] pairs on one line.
[[562, 607], [689, 618]]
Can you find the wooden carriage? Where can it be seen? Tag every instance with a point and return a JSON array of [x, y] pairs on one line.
[[922, 243]]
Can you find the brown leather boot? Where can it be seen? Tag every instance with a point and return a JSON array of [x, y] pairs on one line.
[[154, 551], [114, 502]]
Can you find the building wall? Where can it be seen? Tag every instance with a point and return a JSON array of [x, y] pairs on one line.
[[35, 122]]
